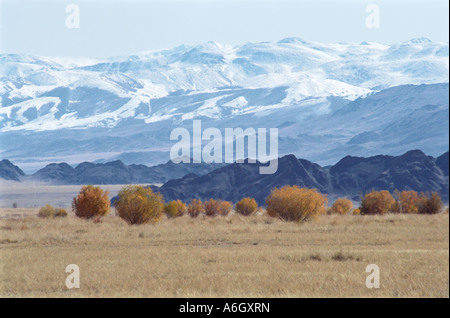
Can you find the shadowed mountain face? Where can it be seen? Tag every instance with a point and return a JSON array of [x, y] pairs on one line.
[[8, 171], [116, 172], [442, 162], [350, 177]]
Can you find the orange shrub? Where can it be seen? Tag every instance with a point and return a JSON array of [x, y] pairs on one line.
[[137, 204], [225, 207], [407, 202], [217, 207], [91, 202], [377, 202], [211, 207], [247, 206], [47, 211], [430, 203], [60, 213], [341, 206], [174, 209], [291, 203], [195, 208], [356, 211]]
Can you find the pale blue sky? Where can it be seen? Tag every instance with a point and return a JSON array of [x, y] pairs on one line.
[[112, 27]]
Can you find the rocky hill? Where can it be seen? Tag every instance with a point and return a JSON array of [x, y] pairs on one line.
[[8, 171], [116, 172], [350, 177]]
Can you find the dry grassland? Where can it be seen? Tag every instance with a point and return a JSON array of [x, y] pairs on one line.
[[231, 256]]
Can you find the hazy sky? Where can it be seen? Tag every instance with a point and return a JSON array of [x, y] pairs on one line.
[[111, 27]]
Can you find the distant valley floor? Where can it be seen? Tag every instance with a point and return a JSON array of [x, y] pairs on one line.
[[35, 195]]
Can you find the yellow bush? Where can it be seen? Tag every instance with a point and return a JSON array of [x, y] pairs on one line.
[[430, 203], [47, 211], [225, 207], [407, 202], [137, 204], [377, 202], [60, 212], [341, 206], [291, 203], [246, 206], [217, 207], [174, 209], [195, 208], [356, 211], [91, 202]]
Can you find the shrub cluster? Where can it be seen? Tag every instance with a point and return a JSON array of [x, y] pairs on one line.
[[195, 208], [377, 202], [91, 202], [137, 205], [48, 211], [382, 202], [291, 203], [246, 206], [406, 202], [174, 209], [341, 206], [60, 213], [429, 203], [217, 207]]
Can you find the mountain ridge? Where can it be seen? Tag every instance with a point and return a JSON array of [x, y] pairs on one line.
[[350, 177]]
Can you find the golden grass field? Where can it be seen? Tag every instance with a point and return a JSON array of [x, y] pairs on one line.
[[232, 256]]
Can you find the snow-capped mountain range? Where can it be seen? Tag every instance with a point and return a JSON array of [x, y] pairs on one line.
[[76, 109]]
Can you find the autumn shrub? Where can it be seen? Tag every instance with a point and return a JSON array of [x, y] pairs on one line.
[[174, 209], [377, 202], [430, 203], [356, 211], [138, 204], [60, 213], [211, 207], [195, 208], [47, 211], [291, 203], [225, 207], [91, 202], [170, 209], [406, 202], [246, 206], [341, 206], [217, 207]]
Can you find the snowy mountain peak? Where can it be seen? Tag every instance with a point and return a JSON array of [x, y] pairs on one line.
[[294, 40], [211, 80], [421, 40]]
